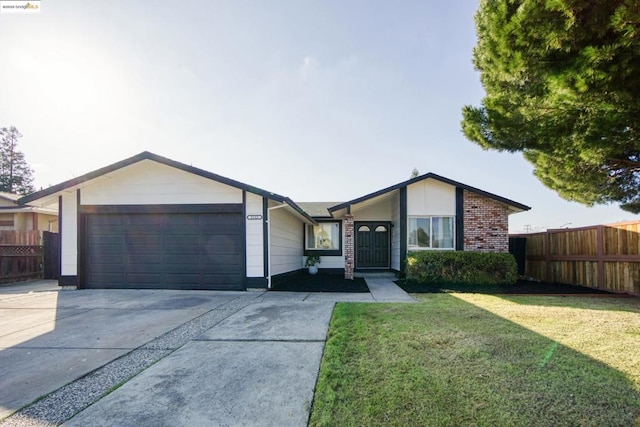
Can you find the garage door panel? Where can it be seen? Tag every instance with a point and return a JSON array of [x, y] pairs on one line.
[[222, 244], [144, 277], [105, 278], [222, 259], [105, 220], [144, 220], [183, 279], [181, 251], [183, 220], [106, 259], [106, 239], [224, 279], [138, 239]]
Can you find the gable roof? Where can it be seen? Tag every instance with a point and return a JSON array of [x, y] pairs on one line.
[[430, 175], [146, 155], [318, 209]]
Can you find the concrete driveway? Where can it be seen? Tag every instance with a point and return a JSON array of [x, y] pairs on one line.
[[152, 357], [49, 337]]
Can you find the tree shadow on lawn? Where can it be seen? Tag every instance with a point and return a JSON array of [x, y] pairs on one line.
[[521, 287], [450, 362]]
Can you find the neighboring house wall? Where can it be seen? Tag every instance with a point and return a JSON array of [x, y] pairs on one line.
[[149, 182], [486, 224], [285, 242], [48, 223], [255, 252], [7, 221]]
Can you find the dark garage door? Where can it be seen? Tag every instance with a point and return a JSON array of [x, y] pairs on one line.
[[166, 250]]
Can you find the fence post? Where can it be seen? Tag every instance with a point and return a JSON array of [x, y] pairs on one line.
[[600, 255], [547, 257]]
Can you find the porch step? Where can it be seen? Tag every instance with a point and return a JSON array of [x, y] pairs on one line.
[[376, 275]]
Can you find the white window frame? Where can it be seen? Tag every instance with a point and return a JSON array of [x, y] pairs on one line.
[[431, 248]]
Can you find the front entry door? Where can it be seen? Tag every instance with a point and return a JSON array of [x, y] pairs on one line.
[[372, 244]]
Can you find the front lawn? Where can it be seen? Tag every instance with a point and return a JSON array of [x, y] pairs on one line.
[[470, 359]]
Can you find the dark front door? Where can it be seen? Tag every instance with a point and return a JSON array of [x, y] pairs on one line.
[[372, 244]]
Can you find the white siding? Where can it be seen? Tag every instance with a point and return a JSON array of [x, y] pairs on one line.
[[395, 233], [149, 182], [380, 211], [286, 240], [430, 197], [255, 254], [69, 244]]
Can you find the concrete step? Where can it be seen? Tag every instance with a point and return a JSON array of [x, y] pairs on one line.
[[376, 275]]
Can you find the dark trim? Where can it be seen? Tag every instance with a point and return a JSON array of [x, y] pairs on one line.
[[142, 209], [404, 184], [81, 244], [323, 252], [397, 272], [60, 235], [243, 232], [403, 230], [459, 219], [256, 282], [265, 237], [285, 277], [146, 155], [68, 281]]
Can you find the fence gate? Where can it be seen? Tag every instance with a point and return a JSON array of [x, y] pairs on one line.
[[51, 253]]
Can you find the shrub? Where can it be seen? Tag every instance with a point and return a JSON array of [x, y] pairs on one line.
[[462, 267]]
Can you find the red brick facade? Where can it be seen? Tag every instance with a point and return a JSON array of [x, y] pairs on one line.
[[348, 247], [486, 224]]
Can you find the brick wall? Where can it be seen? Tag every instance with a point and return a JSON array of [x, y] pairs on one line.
[[348, 247], [486, 224]]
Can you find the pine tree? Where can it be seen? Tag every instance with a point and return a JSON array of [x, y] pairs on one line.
[[562, 80], [15, 174]]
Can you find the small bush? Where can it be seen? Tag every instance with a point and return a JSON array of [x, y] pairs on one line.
[[462, 267]]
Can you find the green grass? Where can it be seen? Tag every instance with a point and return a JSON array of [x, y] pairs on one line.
[[481, 360]]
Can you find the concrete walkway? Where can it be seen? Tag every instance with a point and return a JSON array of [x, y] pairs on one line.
[[384, 290], [182, 357]]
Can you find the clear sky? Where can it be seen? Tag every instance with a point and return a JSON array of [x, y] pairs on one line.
[[315, 100]]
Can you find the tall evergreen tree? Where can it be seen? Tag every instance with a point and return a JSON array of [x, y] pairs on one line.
[[15, 174], [562, 82]]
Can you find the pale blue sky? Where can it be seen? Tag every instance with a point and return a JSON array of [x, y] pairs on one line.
[[316, 100]]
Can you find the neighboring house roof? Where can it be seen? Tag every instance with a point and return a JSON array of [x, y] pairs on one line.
[[13, 207], [516, 205], [318, 209], [9, 196], [146, 155]]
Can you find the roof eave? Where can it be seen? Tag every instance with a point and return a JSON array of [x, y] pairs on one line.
[[146, 155], [437, 178]]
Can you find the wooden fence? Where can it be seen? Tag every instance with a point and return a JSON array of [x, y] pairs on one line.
[[21, 255], [602, 256]]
